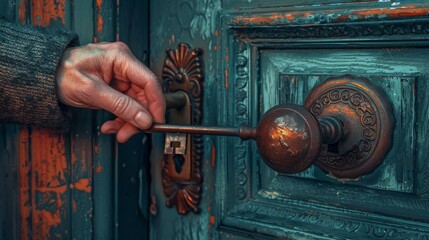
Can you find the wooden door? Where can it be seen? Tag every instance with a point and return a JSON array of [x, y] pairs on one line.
[[80, 184], [262, 53]]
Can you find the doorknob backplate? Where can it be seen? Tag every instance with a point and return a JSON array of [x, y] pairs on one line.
[[368, 120], [183, 76]]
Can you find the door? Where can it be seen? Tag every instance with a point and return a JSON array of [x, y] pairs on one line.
[[79, 184], [258, 54]]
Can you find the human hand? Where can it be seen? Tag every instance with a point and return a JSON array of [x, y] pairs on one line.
[[108, 76]]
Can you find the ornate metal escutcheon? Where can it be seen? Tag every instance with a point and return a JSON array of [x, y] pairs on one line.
[[181, 176], [368, 122], [345, 127]]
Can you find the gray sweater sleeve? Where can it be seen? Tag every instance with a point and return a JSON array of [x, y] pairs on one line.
[[29, 57]]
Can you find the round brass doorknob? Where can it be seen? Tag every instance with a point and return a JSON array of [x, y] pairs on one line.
[[289, 138]]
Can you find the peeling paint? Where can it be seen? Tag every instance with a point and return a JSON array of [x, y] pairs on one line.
[[212, 219], [22, 11], [46, 11], [100, 21], [48, 181], [99, 168], [213, 157], [83, 184], [337, 15]]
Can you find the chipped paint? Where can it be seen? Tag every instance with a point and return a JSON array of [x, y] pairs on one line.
[[337, 15], [100, 21], [83, 184], [22, 11], [99, 168], [46, 11], [97, 148], [48, 182], [212, 219], [213, 155]]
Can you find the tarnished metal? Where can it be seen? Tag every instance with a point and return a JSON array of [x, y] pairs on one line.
[[348, 128], [181, 171], [368, 119]]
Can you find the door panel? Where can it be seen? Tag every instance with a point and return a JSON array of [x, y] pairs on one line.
[[294, 73], [261, 54]]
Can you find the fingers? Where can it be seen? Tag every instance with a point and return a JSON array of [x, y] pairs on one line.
[[122, 106], [118, 126], [128, 68]]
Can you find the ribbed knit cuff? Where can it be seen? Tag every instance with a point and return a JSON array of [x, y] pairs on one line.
[[29, 58]]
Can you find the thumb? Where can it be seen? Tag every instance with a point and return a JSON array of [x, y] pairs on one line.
[[123, 106]]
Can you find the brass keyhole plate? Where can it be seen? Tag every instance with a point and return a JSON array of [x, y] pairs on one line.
[[368, 121]]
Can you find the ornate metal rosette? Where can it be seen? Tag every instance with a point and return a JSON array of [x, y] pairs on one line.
[[183, 71], [368, 121]]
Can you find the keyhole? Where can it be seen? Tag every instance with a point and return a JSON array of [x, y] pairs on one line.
[[178, 162], [178, 159]]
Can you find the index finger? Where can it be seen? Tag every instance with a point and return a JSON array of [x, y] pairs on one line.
[[129, 68]]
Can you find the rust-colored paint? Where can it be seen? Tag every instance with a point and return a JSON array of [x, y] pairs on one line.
[[74, 205], [43, 12], [337, 15], [212, 219], [226, 78], [24, 184], [100, 21], [48, 181], [83, 185], [390, 13], [97, 149], [213, 155], [22, 11], [99, 168]]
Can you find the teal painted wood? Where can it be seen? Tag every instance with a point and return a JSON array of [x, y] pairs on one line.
[[9, 197], [104, 201], [105, 188], [82, 131], [192, 22], [250, 69], [9, 204], [133, 156]]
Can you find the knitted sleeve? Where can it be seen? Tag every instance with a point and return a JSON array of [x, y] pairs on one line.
[[29, 57]]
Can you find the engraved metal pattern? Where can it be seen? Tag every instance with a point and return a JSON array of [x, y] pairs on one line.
[[368, 118], [183, 70]]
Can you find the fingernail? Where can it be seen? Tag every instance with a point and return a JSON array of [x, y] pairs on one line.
[[143, 120]]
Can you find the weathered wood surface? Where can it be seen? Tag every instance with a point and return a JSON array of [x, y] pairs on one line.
[[260, 53], [69, 185]]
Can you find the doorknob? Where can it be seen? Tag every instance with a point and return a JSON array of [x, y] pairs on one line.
[[288, 136], [345, 127]]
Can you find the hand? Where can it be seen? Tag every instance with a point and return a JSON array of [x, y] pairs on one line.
[[108, 76]]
